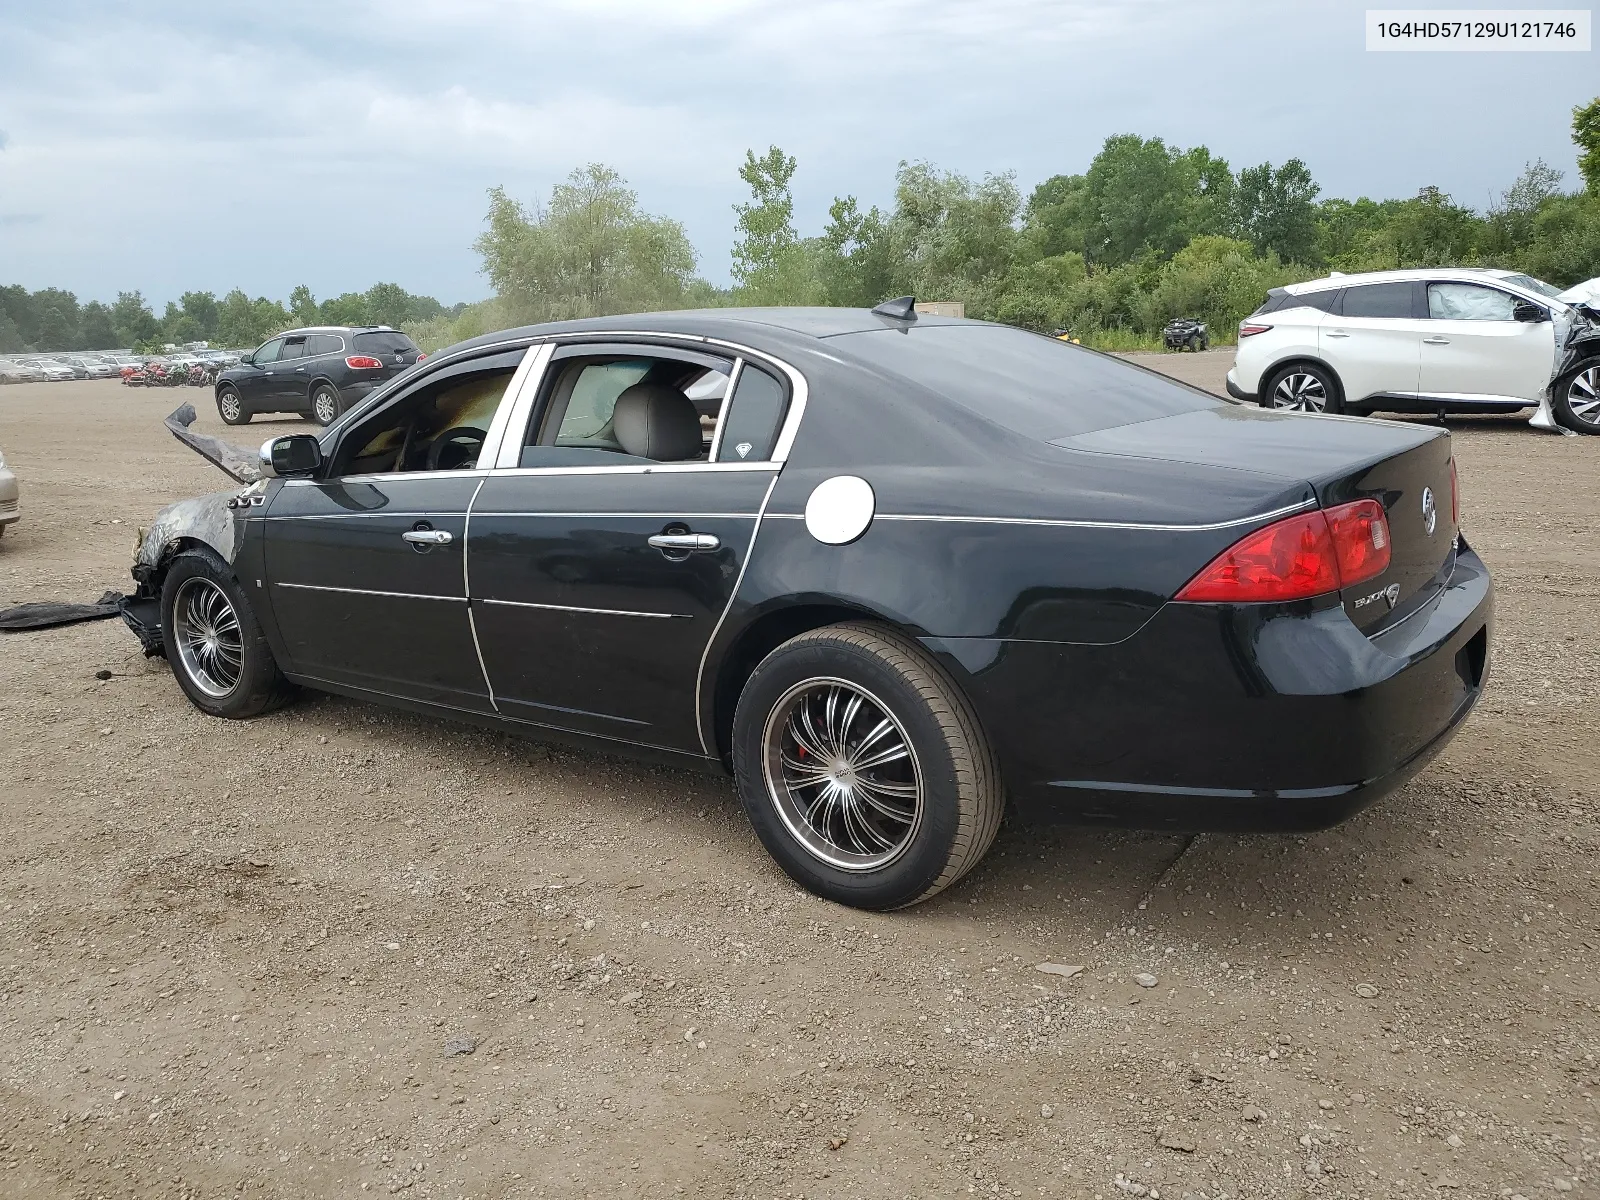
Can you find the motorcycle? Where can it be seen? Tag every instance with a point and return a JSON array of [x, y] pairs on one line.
[[1185, 333], [133, 375], [201, 375]]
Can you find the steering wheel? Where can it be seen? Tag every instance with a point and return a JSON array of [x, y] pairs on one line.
[[456, 448]]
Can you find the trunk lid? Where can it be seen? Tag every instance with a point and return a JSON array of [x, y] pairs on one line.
[[1404, 467], [392, 348]]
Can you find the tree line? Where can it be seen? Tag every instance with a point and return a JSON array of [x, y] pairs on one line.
[[1147, 232], [52, 320]]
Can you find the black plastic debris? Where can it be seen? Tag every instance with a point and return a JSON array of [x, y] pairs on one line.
[[47, 615]]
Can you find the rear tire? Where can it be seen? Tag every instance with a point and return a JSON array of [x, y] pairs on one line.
[[1575, 399], [214, 643], [325, 404], [231, 408], [863, 768], [1303, 387]]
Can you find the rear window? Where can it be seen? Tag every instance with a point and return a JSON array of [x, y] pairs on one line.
[[1039, 387], [384, 343]]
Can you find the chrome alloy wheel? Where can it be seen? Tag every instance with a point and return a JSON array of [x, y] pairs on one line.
[[842, 774], [1583, 396], [1300, 392], [206, 632], [325, 407], [229, 403]]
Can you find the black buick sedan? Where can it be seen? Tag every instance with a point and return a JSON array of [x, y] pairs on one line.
[[891, 571]]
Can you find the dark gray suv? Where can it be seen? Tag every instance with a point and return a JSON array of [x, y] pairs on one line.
[[317, 372]]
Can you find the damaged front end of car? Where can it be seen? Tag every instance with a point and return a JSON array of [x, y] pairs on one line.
[[214, 521]]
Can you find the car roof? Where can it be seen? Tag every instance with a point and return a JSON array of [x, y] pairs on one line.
[[1398, 276], [336, 329]]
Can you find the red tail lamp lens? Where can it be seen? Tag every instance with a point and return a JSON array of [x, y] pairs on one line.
[[362, 362], [1298, 557], [1250, 330]]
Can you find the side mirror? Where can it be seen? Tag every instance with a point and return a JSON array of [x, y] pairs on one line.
[[297, 454], [247, 359], [1527, 310]]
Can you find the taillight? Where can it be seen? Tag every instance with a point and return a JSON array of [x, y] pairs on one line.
[[1297, 558], [1247, 329], [1455, 497], [420, 357], [363, 362]]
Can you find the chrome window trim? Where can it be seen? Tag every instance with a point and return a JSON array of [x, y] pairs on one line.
[[722, 411], [1046, 522], [733, 594], [405, 378], [518, 397], [574, 608], [385, 477], [636, 469], [319, 587]]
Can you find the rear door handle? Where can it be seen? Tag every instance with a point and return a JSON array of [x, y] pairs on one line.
[[428, 537], [1436, 341], [686, 543], [1337, 333]]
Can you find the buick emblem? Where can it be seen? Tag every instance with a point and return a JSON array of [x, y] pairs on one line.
[[1430, 515]]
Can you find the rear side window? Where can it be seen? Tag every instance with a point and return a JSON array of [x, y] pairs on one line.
[[750, 429], [1381, 300], [323, 343], [1039, 387], [1468, 302], [387, 342]]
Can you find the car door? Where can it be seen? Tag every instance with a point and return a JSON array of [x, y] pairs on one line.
[[1476, 349], [366, 563], [254, 380], [287, 389], [599, 576], [1373, 339]]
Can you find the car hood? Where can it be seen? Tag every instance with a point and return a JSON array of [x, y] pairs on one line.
[[1587, 292]]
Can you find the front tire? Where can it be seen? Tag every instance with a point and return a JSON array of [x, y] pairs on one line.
[[1304, 387], [325, 404], [1576, 398], [213, 641], [231, 408], [863, 768]]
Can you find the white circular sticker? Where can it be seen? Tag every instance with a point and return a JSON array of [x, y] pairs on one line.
[[840, 509]]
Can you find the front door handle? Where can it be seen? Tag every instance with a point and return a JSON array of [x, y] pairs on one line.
[[428, 537], [686, 543], [1436, 341], [1337, 333]]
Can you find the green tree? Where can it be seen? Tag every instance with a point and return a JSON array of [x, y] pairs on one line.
[[132, 319], [244, 323], [303, 306], [95, 329], [591, 252], [388, 304], [1586, 133], [1142, 194], [770, 265], [1275, 210], [857, 263]]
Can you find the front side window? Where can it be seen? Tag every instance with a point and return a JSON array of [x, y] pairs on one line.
[[439, 427], [1468, 302], [1393, 300], [269, 352]]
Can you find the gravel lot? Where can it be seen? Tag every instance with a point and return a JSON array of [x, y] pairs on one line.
[[342, 950]]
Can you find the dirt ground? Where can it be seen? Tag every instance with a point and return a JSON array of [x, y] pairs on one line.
[[235, 959]]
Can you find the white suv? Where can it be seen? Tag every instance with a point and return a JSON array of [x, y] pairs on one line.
[[1432, 341]]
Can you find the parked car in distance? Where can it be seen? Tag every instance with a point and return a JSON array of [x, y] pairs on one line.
[[92, 368], [891, 571], [1438, 340], [53, 371], [317, 372], [10, 501], [16, 372]]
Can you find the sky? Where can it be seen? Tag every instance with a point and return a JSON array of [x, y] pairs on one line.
[[172, 145]]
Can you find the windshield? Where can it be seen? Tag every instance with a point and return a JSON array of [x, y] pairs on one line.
[[1037, 386], [1534, 285], [384, 343]]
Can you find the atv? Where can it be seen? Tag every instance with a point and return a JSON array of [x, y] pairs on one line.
[[1184, 333]]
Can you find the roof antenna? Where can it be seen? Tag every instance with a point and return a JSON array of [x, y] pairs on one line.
[[903, 309]]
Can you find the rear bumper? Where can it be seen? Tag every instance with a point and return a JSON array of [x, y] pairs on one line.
[[1238, 393], [1219, 718], [10, 504]]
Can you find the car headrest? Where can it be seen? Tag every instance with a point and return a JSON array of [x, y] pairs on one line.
[[652, 420]]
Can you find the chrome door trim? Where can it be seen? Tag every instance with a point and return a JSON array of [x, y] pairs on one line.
[[668, 515], [384, 477], [1286, 511], [722, 413], [508, 438], [466, 590], [532, 364], [733, 594], [573, 608], [636, 469], [320, 587]]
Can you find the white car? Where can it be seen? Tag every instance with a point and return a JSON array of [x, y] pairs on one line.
[[1438, 340], [53, 371]]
